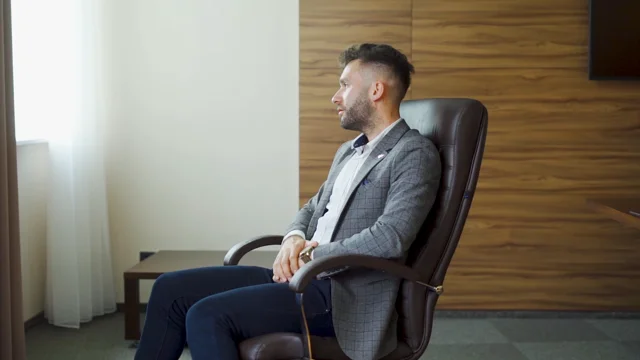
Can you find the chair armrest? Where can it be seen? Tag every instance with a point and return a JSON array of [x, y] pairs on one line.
[[312, 269], [236, 253]]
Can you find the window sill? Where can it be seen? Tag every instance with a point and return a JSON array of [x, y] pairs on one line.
[[30, 142]]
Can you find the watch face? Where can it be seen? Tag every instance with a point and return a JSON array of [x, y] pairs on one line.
[[305, 255], [307, 251]]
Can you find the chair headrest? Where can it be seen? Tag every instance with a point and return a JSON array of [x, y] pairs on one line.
[[439, 119]]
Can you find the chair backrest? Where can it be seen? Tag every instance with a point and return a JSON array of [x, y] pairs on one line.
[[458, 128]]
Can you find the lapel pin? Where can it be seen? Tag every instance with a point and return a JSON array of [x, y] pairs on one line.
[[380, 156]]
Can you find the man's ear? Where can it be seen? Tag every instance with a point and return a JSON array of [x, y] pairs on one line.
[[378, 89]]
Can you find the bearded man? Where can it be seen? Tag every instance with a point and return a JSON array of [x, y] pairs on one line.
[[378, 193]]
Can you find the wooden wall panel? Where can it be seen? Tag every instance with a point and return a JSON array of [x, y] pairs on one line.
[[555, 139], [499, 33], [327, 27]]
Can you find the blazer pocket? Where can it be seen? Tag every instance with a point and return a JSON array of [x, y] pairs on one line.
[[379, 182]]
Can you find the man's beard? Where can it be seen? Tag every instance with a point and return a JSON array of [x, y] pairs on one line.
[[358, 116]]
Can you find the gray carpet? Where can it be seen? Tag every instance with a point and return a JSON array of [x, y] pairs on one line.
[[477, 338]]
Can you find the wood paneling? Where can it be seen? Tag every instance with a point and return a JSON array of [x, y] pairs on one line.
[[327, 27], [499, 33], [555, 139]]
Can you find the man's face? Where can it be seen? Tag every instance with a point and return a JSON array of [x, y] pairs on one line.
[[352, 99]]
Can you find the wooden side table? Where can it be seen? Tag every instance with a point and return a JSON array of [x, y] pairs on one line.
[[624, 210], [169, 260]]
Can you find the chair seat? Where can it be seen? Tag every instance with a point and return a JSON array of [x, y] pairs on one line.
[[288, 346]]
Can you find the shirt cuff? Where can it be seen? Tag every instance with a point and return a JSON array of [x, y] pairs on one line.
[[292, 233]]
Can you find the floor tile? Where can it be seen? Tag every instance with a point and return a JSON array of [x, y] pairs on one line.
[[46, 341], [465, 331], [113, 353], [618, 329], [543, 330], [457, 339], [633, 347], [577, 350], [473, 352]]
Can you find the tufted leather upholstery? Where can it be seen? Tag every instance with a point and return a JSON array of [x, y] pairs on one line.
[[458, 128]]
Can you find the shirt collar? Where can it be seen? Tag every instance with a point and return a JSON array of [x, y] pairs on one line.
[[361, 143]]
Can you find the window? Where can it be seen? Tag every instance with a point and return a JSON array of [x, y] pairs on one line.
[[44, 55]]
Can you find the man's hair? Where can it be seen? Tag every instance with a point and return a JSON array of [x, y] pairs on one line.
[[382, 55]]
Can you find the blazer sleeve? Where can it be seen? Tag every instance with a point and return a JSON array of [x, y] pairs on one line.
[[301, 222], [415, 178]]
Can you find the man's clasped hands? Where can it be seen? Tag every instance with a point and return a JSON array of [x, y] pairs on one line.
[[288, 261]]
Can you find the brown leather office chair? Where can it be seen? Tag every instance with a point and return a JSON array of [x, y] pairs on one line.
[[458, 127]]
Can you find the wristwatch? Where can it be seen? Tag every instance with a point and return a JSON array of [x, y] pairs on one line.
[[305, 254]]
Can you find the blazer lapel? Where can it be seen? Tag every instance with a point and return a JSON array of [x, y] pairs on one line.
[[378, 154]]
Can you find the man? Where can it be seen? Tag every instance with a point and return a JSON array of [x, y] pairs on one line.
[[379, 191]]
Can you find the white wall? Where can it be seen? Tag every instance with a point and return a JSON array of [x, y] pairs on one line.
[[33, 176], [202, 148]]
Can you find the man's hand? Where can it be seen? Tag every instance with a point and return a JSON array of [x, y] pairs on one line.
[[287, 262]]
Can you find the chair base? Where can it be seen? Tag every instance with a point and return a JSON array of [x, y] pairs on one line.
[[289, 346]]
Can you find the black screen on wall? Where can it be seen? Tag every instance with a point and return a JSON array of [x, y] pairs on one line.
[[614, 39]]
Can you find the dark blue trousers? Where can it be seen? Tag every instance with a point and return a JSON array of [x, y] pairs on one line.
[[215, 308]]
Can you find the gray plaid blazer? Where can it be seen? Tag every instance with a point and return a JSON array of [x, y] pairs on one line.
[[381, 218]]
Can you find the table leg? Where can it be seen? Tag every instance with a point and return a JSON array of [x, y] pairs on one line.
[[131, 309]]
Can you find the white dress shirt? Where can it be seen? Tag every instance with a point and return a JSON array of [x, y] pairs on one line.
[[338, 198]]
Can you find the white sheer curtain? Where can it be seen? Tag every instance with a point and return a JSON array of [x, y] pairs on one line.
[[80, 278], [60, 78]]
